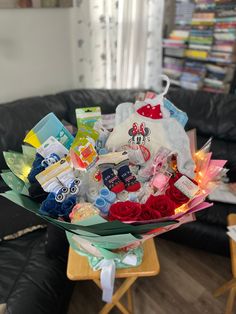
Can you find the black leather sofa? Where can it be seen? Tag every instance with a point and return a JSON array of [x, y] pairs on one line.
[[33, 266]]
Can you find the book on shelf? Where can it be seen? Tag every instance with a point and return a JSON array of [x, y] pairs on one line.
[[224, 47], [201, 50], [207, 7], [221, 57], [175, 82], [223, 90], [231, 19], [199, 47], [198, 54], [174, 43], [174, 51], [173, 74], [190, 85], [173, 67], [224, 36], [179, 34], [222, 73], [213, 82]]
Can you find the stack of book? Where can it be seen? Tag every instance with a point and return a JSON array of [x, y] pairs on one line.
[[218, 78], [223, 49], [201, 33], [200, 53], [184, 11], [199, 45], [176, 44], [173, 67], [193, 75]]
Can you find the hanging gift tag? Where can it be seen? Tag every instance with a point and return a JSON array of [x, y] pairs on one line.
[[88, 115], [103, 135], [52, 145], [186, 186], [86, 131]]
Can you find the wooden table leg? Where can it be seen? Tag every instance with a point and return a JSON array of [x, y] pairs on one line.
[[122, 308], [118, 303], [227, 286], [130, 300], [230, 302], [117, 295]]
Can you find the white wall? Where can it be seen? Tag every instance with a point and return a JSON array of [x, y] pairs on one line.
[[35, 52]]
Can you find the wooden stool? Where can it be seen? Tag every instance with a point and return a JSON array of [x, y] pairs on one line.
[[230, 285], [79, 269]]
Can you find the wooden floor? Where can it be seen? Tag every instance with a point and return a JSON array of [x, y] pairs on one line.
[[184, 285]]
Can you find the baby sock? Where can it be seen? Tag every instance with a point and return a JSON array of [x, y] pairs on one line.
[[130, 181], [68, 179], [58, 189], [111, 181]]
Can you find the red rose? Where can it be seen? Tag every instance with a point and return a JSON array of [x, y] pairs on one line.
[[162, 204], [125, 211], [149, 214], [174, 193]]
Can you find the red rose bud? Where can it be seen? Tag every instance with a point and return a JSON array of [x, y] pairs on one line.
[[125, 211], [176, 195], [149, 214], [162, 204]]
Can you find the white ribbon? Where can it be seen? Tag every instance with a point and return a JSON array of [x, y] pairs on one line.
[[107, 276]]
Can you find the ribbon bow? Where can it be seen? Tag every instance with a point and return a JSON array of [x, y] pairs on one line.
[[107, 275], [138, 130], [149, 111]]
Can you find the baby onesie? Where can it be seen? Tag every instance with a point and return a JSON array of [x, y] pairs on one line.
[[151, 134]]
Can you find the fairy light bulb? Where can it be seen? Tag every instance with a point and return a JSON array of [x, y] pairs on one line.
[[181, 209]]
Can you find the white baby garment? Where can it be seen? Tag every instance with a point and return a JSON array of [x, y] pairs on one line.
[[152, 134]]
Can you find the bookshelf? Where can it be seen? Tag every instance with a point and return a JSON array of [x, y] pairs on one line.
[[200, 52]]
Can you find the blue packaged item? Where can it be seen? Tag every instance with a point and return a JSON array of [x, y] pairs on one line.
[[102, 205], [108, 196], [46, 127], [179, 115], [103, 151], [133, 197]]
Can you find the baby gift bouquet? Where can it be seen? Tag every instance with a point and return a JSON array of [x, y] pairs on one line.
[[111, 187]]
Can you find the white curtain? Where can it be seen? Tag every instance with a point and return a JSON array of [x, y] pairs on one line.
[[118, 43]]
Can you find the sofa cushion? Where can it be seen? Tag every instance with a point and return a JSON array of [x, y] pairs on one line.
[[30, 281], [217, 214], [56, 243], [201, 235], [212, 114], [20, 116], [14, 218]]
